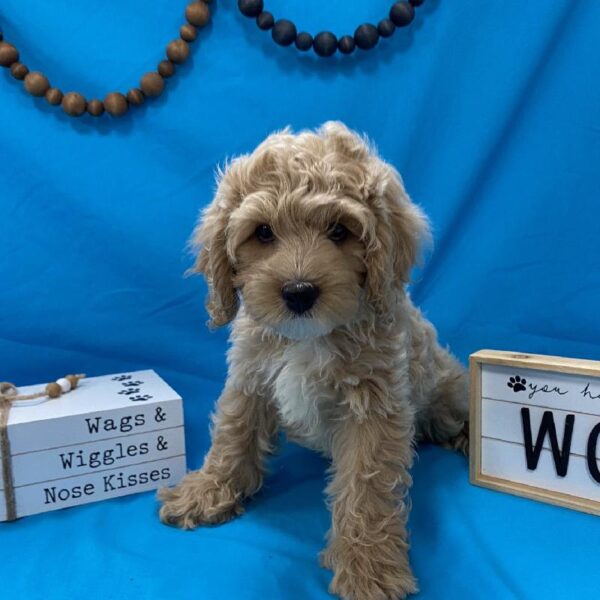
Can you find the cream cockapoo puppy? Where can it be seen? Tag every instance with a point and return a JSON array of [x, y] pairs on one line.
[[307, 248]]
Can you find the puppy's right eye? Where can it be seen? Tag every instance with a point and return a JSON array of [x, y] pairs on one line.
[[264, 233]]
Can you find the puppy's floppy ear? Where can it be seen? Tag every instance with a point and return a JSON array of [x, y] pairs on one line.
[[401, 230], [210, 237], [393, 247]]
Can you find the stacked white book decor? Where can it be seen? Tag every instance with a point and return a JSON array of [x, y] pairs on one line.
[[111, 436]]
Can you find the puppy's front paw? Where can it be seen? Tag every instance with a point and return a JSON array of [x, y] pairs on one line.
[[367, 573], [199, 499], [460, 442]]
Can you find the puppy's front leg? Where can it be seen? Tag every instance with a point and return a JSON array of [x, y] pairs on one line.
[[368, 549], [244, 427]]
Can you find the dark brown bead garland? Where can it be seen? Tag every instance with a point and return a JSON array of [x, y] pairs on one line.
[[152, 84], [325, 43]]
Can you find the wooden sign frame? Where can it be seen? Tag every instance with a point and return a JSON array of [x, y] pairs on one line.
[[554, 364]]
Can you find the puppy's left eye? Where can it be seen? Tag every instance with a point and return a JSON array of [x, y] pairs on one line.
[[264, 233], [337, 233]]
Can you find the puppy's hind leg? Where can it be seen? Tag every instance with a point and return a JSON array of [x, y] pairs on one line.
[[244, 428], [446, 419]]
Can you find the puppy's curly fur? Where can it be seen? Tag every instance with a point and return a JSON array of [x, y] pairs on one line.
[[359, 376]]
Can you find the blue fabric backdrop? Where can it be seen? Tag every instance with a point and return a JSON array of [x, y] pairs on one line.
[[491, 111]]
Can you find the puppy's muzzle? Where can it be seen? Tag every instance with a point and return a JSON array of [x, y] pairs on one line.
[[299, 296]]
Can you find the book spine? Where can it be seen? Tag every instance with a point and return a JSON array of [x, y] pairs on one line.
[[33, 436], [100, 485], [79, 459]]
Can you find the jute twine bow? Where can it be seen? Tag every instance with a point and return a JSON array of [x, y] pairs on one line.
[[8, 395]]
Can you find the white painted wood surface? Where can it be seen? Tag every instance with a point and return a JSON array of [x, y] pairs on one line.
[[125, 428]]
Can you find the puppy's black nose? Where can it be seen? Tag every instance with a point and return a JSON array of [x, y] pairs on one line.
[[299, 296]]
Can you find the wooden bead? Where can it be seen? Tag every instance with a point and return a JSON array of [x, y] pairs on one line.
[[96, 109], [178, 51], [325, 44], [73, 379], [65, 384], [265, 21], [304, 41], [198, 14], [346, 44], [116, 104], [250, 8], [166, 68], [37, 84], [366, 36], [402, 13], [8, 54], [18, 70], [386, 28], [152, 84], [54, 96], [283, 32], [135, 97], [74, 104], [188, 32], [53, 390]]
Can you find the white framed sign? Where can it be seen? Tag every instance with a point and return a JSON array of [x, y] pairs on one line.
[[535, 427]]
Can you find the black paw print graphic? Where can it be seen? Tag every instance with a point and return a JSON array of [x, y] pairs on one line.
[[517, 384], [132, 383], [129, 391], [140, 398], [121, 378]]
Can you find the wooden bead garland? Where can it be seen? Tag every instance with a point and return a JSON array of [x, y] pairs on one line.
[[63, 385], [197, 14], [325, 43], [116, 104], [55, 389]]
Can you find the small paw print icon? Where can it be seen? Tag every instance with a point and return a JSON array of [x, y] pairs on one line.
[[139, 398], [129, 391], [121, 377], [517, 384]]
